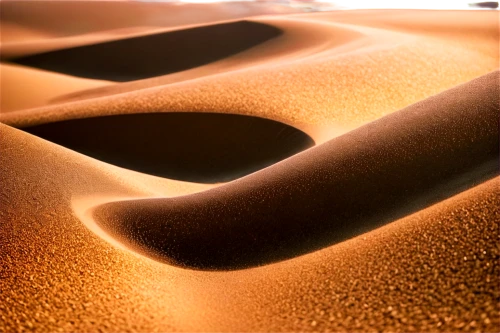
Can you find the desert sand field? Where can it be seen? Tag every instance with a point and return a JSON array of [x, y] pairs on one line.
[[248, 167]]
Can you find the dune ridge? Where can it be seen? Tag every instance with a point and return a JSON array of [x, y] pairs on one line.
[[448, 251], [25, 88], [204, 45], [335, 88], [65, 18], [297, 41], [394, 220], [41, 26], [53, 259], [196, 147], [328, 193]]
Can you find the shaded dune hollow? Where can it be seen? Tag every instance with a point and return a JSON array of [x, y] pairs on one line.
[[153, 55], [197, 147], [354, 183]]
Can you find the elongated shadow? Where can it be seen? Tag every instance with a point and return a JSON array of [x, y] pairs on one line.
[[354, 183], [485, 4], [198, 147], [154, 55]]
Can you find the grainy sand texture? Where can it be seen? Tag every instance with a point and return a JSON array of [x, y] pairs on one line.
[[248, 167]]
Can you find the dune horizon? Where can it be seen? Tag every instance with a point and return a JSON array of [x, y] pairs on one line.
[[248, 166]]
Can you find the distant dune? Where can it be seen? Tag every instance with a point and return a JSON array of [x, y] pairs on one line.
[[64, 18], [159, 54]]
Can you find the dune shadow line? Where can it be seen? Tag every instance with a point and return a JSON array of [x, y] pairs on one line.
[[153, 55], [198, 147], [354, 183]]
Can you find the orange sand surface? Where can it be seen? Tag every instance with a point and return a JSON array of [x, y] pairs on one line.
[[332, 171], [25, 87]]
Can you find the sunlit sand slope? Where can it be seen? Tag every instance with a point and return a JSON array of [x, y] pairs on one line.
[[25, 88], [330, 78], [434, 270], [363, 179], [313, 172]]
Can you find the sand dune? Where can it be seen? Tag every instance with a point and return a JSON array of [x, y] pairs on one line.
[[12, 32], [352, 75], [436, 269], [477, 25], [199, 147], [24, 88], [296, 41], [160, 54], [349, 185], [65, 18], [380, 212], [40, 26]]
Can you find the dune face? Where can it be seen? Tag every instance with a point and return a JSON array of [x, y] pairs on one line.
[[199, 147], [327, 194], [174, 51], [313, 172], [72, 18], [24, 87]]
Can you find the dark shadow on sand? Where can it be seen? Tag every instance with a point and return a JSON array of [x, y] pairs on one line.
[[153, 55], [359, 181], [197, 147]]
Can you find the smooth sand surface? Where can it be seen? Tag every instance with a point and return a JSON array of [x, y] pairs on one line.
[[25, 87], [340, 175], [340, 77], [204, 45], [350, 184], [66, 18], [35, 26]]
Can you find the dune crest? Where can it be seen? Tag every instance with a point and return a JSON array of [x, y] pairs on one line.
[[204, 45], [196, 147], [326, 194], [25, 88], [358, 152]]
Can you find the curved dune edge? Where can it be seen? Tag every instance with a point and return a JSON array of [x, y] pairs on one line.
[[319, 94], [42, 26], [434, 270], [162, 53], [304, 39], [342, 188], [306, 33], [195, 147], [24, 87], [299, 40]]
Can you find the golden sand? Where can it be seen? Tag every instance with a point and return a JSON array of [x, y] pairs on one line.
[[389, 222]]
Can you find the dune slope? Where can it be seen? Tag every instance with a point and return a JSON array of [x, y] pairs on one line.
[[71, 18], [204, 45], [24, 87], [199, 147], [436, 270], [388, 220], [351, 184], [320, 76]]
